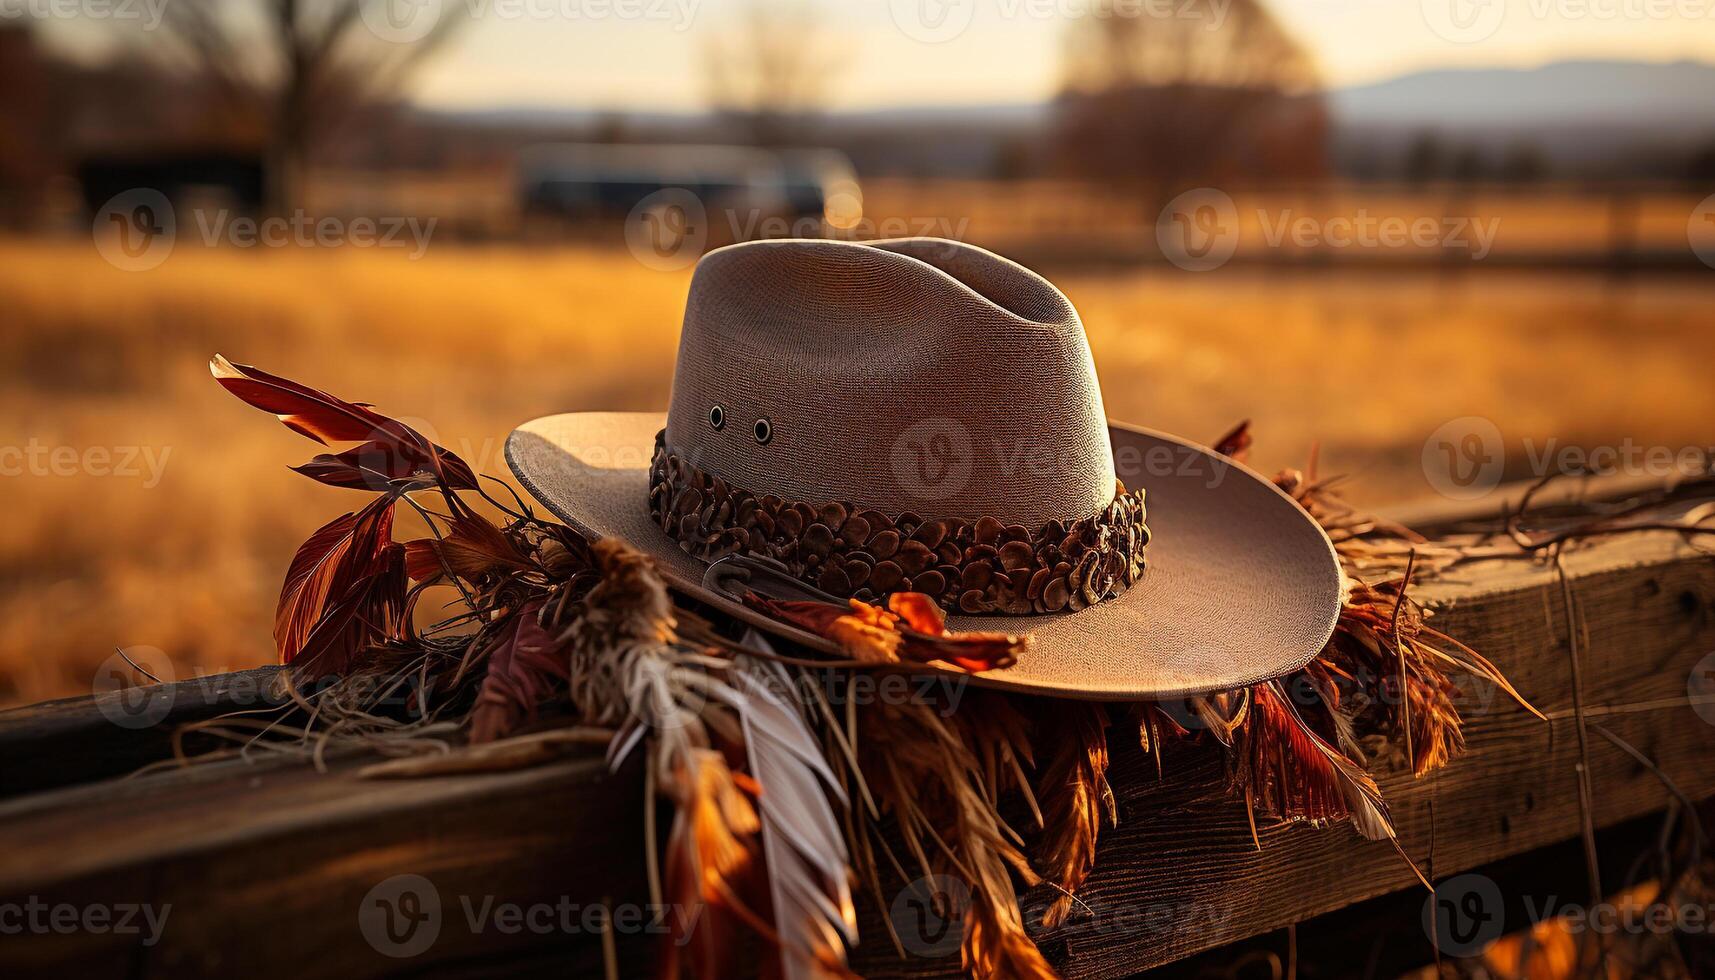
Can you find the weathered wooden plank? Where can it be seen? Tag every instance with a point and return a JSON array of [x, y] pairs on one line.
[[282, 858], [260, 870], [115, 732], [1646, 625]]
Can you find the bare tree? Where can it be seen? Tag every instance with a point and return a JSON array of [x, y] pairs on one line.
[[770, 75], [1159, 100], [292, 71]]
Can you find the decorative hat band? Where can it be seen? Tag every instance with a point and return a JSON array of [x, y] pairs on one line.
[[975, 567]]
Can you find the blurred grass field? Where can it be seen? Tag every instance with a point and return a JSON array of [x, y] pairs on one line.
[[467, 342]]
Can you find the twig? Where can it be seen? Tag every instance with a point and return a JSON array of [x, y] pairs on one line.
[[1603, 523], [136, 666], [1586, 796]]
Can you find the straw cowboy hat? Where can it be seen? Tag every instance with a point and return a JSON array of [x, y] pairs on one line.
[[923, 415]]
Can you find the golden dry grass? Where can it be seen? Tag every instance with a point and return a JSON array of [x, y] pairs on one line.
[[476, 340], [1549, 220]]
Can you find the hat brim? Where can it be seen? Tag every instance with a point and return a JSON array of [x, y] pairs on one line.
[[1241, 586]]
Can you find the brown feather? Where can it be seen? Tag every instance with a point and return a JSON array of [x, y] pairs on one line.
[[525, 664], [472, 548]]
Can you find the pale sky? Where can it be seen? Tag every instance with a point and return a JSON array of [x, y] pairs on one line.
[[650, 54], [1009, 51]]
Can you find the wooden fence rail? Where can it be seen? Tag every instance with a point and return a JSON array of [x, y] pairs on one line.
[[272, 867]]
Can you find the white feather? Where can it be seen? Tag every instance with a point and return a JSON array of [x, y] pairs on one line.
[[808, 865]]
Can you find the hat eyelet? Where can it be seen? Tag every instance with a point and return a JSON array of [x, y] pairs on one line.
[[764, 432], [717, 417]]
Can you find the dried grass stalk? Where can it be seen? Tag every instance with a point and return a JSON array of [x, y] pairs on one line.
[[1075, 798], [922, 771], [1387, 671]]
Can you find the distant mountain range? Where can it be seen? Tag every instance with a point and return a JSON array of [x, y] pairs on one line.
[[1575, 118], [1564, 93], [990, 115], [1578, 119]]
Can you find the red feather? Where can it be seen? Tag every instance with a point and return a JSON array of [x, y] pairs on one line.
[[391, 446], [377, 465], [1290, 771], [346, 550], [1237, 443], [371, 612]]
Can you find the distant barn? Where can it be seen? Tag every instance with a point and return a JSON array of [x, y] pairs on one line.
[[234, 180]]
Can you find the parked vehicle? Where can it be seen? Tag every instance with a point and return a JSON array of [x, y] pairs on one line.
[[744, 192]]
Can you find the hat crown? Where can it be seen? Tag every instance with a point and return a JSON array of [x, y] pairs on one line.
[[910, 375]]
